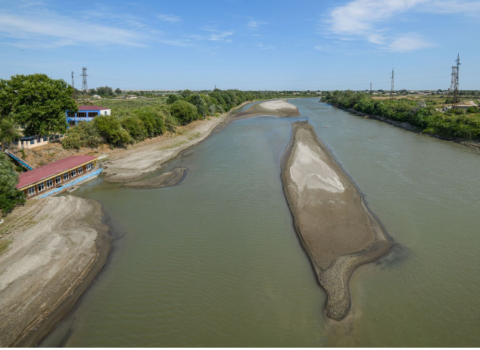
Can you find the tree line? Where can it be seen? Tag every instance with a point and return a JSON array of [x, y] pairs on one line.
[[453, 123]]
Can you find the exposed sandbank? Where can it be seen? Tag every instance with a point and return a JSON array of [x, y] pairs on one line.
[[168, 179], [58, 245], [335, 227], [278, 108]]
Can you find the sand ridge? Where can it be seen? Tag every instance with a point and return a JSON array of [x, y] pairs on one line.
[[335, 227]]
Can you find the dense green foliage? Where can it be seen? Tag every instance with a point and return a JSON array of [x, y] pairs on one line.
[[455, 123], [184, 112], [36, 102], [9, 195], [83, 135], [110, 128]]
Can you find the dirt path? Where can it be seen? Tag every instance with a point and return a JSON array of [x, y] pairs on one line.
[[335, 227], [56, 246]]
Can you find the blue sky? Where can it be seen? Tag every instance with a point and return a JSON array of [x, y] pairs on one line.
[[244, 44]]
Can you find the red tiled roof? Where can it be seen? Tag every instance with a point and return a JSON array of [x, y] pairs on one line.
[[49, 170], [91, 108]]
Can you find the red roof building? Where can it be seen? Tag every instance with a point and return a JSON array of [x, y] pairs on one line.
[[55, 174], [92, 108]]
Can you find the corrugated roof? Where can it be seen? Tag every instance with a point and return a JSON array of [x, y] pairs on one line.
[[91, 108], [49, 170]]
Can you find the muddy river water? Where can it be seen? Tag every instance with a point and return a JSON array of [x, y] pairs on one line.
[[215, 261]]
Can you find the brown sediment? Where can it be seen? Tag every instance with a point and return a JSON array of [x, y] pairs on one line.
[[167, 179], [334, 225], [277, 108], [59, 245]]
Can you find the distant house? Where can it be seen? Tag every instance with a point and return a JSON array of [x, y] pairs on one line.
[[85, 114], [131, 97], [98, 97], [28, 142]]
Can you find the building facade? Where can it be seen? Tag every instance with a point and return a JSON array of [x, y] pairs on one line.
[[85, 114], [58, 176]]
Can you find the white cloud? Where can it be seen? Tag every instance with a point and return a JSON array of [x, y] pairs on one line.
[[253, 24], [50, 28], [359, 16], [405, 44], [215, 35], [168, 18], [368, 19], [265, 47]]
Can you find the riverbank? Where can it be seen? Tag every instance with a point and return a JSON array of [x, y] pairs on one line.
[[57, 246], [145, 158], [138, 161], [331, 219], [410, 127]]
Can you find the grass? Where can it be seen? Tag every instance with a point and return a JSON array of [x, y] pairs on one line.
[[120, 106], [4, 245]]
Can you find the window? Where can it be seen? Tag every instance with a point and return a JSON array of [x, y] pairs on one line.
[[92, 114], [58, 179], [41, 187], [89, 166], [81, 114], [32, 142], [49, 183], [31, 191], [65, 176], [73, 173], [80, 171]]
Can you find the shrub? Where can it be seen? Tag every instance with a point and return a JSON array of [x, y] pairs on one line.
[[111, 130], [184, 112], [82, 135], [172, 98], [135, 127]]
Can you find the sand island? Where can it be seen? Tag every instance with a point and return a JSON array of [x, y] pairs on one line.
[[335, 227]]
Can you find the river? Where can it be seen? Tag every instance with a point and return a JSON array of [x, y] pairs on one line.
[[215, 261]]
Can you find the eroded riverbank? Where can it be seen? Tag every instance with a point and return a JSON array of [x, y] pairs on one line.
[[335, 227], [57, 246]]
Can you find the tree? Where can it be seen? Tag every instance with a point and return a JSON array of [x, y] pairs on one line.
[[105, 91], [200, 103], [110, 128], [118, 91], [184, 112], [36, 102], [9, 131], [9, 195], [172, 98]]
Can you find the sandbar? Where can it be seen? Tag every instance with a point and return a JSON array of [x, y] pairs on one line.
[[167, 179], [335, 227]]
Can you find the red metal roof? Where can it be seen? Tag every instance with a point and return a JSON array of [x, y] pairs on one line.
[[91, 108], [49, 170]]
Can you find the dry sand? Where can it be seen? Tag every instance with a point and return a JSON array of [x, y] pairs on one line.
[[57, 245], [277, 108], [167, 179], [335, 227]]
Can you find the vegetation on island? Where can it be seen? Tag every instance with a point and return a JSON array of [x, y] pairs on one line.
[[9, 195], [453, 122]]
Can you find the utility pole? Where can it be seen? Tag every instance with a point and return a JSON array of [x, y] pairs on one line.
[[73, 86], [393, 84], [456, 96], [84, 81]]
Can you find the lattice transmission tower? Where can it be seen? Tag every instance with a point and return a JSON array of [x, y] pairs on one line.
[[392, 90], [456, 95], [84, 81]]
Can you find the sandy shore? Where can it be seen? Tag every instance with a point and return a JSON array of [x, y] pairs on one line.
[[335, 227], [57, 245], [277, 108], [167, 179]]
